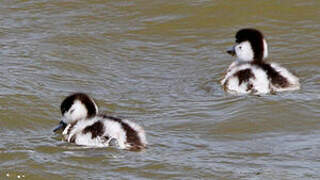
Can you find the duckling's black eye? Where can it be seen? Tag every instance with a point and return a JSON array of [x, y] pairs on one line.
[[240, 47]]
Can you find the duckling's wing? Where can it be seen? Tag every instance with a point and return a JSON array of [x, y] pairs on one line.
[[292, 80]]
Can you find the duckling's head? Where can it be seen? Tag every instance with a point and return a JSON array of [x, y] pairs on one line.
[[250, 46], [76, 107]]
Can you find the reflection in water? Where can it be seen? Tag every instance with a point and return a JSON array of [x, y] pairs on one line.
[[158, 63]]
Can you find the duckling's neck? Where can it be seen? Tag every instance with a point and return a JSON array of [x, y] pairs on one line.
[[258, 62]]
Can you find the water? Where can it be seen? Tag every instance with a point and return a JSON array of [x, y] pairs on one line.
[[158, 63]]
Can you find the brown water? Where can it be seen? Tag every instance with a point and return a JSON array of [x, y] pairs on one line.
[[158, 63]]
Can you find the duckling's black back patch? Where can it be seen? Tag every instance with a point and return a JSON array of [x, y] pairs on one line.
[[244, 75], [96, 129], [276, 78], [132, 136]]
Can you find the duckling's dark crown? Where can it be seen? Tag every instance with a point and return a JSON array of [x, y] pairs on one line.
[[84, 99], [248, 34], [255, 37]]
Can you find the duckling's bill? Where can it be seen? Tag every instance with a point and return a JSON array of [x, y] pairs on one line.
[[62, 125], [231, 51]]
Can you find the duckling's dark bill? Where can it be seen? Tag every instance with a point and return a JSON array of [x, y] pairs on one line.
[[62, 125], [231, 51]]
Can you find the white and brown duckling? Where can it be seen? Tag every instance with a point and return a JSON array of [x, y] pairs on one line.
[[82, 125], [250, 74]]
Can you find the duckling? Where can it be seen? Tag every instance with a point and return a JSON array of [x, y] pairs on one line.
[[250, 74], [83, 125]]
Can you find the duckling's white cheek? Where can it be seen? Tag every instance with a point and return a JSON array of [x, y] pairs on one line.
[[76, 112], [66, 118], [244, 51]]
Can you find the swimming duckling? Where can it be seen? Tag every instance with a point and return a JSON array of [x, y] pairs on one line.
[[82, 125], [250, 74]]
